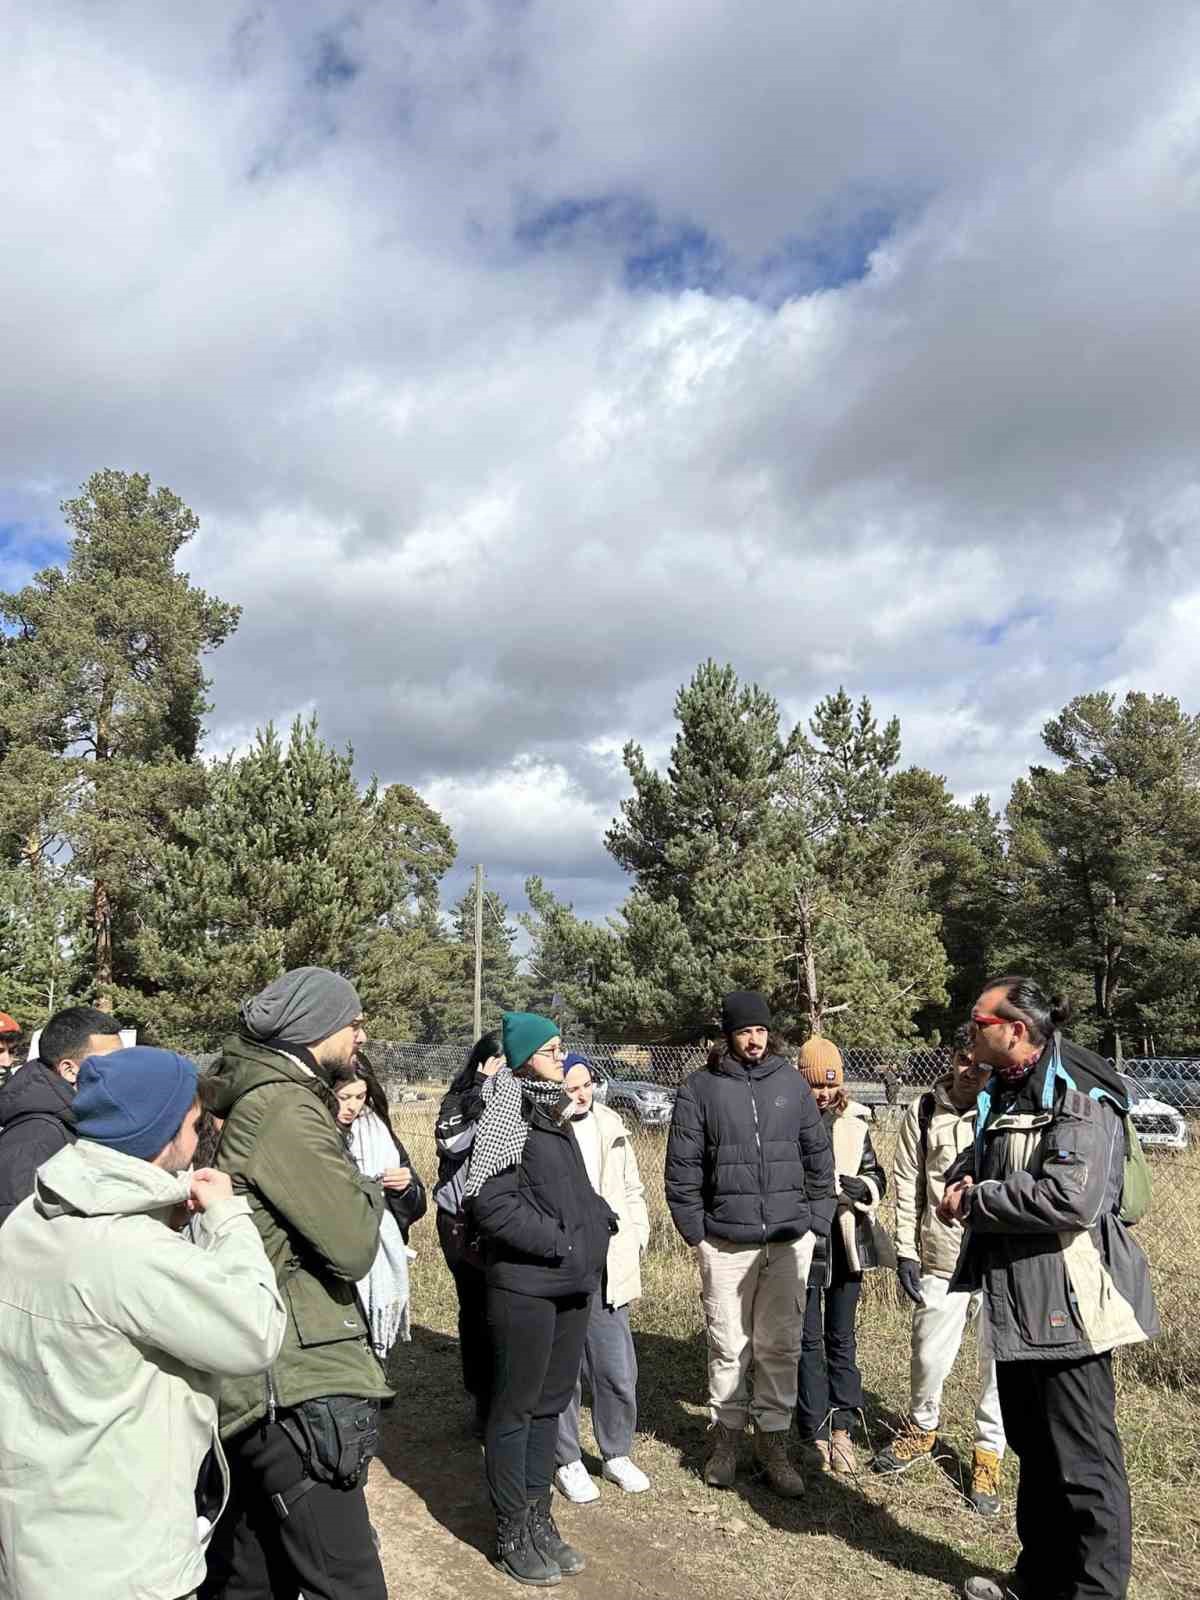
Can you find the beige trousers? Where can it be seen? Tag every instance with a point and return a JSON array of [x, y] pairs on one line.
[[754, 1298]]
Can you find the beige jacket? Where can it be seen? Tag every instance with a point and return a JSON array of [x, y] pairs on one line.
[[114, 1333], [865, 1238], [621, 1186], [919, 1235]]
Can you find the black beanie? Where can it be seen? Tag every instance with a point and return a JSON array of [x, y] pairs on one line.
[[744, 1008]]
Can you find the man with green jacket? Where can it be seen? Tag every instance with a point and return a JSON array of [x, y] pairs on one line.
[[299, 1439]]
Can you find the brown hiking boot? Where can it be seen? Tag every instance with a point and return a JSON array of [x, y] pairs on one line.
[[771, 1454], [911, 1444], [816, 1454], [842, 1459], [721, 1467], [985, 1482]]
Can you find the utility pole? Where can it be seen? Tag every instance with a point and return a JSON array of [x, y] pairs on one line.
[[478, 950]]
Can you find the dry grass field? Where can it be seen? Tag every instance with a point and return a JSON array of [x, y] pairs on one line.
[[886, 1539]]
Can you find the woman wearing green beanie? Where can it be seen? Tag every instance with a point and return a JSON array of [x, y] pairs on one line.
[[545, 1233]]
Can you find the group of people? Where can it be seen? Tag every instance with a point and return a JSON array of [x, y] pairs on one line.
[[193, 1346]]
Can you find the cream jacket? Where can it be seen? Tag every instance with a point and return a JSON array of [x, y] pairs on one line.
[[864, 1237], [621, 1186], [919, 1235], [114, 1332]]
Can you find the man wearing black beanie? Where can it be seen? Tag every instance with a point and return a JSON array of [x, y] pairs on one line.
[[750, 1184]]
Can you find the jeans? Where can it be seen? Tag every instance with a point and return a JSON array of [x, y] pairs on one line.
[[537, 1346], [830, 1386], [610, 1367]]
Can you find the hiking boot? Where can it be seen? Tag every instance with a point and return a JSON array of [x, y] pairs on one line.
[[721, 1467], [987, 1589], [842, 1459], [985, 1482], [771, 1453], [549, 1543], [911, 1444], [816, 1454], [518, 1556]]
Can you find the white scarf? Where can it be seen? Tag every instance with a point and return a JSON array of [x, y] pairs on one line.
[[384, 1290]]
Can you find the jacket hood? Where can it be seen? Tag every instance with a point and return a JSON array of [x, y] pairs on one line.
[[245, 1065], [36, 1090], [91, 1180], [733, 1067], [1088, 1073]]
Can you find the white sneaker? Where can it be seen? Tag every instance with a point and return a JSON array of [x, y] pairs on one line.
[[574, 1484], [621, 1471]]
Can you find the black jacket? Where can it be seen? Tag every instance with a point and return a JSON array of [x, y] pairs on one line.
[[454, 1135], [406, 1205], [1062, 1275], [35, 1111], [748, 1159], [544, 1229]]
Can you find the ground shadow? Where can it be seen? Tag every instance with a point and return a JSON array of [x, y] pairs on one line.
[[426, 1438], [672, 1393]]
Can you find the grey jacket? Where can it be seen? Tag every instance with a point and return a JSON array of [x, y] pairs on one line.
[[1061, 1273]]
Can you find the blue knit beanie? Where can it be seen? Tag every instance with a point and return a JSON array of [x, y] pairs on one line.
[[134, 1100], [576, 1058]]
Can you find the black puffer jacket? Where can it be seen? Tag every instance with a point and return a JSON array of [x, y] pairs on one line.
[[544, 1229], [748, 1159], [35, 1111]]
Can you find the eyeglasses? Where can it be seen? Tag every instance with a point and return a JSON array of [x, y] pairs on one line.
[[983, 1019], [550, 1050]]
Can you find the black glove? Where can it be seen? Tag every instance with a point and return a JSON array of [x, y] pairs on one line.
[[909, 1273], [856, 1189]]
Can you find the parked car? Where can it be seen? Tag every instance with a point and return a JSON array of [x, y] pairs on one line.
[[1173, 1079], [1159, 1126], [639, 1101]]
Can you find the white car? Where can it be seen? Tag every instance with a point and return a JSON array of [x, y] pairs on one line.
[[1159, 1126]]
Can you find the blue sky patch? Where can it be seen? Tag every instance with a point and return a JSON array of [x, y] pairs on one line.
[[654, 253]]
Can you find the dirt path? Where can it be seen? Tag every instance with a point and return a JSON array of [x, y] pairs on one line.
[[436, 1540]]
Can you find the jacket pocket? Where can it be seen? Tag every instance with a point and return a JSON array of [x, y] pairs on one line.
[[322, 1315], [1042, 1303]]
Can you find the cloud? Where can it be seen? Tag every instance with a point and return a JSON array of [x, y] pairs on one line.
[[519, 357]]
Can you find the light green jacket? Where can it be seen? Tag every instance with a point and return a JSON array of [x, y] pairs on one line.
[[114, 1331]]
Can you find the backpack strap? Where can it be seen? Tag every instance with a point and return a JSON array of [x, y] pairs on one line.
[[925, 1109]]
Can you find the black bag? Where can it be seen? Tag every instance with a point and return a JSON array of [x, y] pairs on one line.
[[336, 1436]]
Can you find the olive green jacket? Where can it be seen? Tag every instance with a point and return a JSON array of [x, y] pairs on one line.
[[318, 1219]]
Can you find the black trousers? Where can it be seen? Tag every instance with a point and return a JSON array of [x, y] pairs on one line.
[[1073, 1514], [324, 1548], [829, 1379], [474, 1339], [538, 1349]]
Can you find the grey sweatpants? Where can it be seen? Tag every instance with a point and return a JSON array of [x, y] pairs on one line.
[[610, 1367]]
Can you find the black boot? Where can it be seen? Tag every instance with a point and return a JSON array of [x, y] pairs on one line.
[[520, 1557], [546, 1538]]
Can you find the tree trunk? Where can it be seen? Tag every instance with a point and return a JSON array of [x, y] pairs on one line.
[[808, 975], [102, 944]]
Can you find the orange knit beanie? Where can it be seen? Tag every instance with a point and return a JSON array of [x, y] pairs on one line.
[[821, 1064]]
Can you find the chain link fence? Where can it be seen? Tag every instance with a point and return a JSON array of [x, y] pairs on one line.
[[639, 1082]]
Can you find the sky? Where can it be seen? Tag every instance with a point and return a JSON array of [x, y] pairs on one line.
[[517, 356]]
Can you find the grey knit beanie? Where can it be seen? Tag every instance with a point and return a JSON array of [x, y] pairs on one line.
[[305, 1006]]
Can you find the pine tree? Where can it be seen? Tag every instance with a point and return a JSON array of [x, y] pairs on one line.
[[102, 696], [287, 863], [1106, 899]]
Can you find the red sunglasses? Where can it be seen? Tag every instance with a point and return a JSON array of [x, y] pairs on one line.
[[983, 1019]]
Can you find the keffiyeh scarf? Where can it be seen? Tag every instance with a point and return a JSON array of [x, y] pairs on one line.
[[384, 1290], [503, 1128]]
